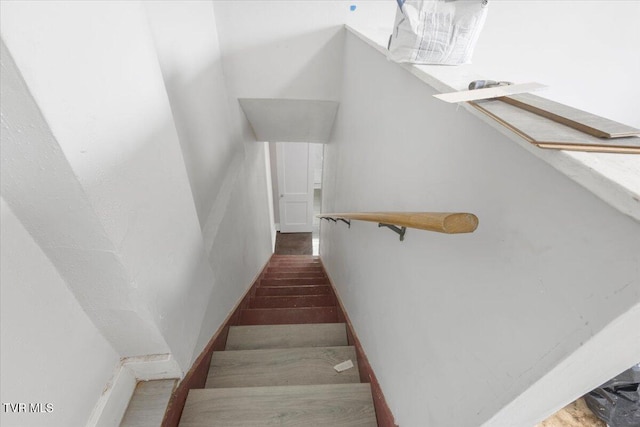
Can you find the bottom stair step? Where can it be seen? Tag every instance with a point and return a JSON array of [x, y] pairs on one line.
[[344, 405]]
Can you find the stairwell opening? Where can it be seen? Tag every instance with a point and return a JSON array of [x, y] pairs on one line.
[[296, 179]]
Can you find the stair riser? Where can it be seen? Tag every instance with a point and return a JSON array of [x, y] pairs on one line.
[[280, 256], [288, 269], [293, 275], [295, 267], [279, 316], [293, 301], [295, 281], [266, 291], [294, 261]]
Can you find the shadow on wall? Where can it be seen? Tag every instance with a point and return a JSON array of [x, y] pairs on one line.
[[319, 62], [200, 109]]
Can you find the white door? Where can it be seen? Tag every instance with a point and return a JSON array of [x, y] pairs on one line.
[[295, 185]]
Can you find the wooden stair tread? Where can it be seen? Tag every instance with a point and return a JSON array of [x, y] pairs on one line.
[[294, 275], [296, 268], [271, 367], [286, 336], [262, 291], [293, 301], [343, 405], [294, 281], [288, 316]]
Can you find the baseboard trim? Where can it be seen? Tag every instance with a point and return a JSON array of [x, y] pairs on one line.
[[111, 406], [197, 375], [383, 412], [153, 367], [113, 402]]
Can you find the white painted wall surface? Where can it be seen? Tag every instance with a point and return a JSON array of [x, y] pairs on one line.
[[43, 191], [51, 351], [186, 41], [110, 113], [588, 52], [289, 49], [290, 120], [93, 71], [242, 244], [227, 169], [457, 326], [273, 155]]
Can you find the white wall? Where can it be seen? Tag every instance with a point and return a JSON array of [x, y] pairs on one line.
[[289, 49], [186, 41], [226, 167], [457, 326], [93, 71], [242, 243], [588, 52], [43, 191], [49, 344], [126, 219]]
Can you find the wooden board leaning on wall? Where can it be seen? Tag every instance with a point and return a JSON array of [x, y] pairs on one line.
[[580, 120], [547, 133]]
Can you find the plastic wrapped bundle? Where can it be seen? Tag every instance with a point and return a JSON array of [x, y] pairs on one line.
[[617, 402], [436, 31]]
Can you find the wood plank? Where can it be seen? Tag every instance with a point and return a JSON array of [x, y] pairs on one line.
[[263, 291], [293, 301], [546, 133], [294, 281], [294, 366], [287, 316], [287, 336], [580, 120], [345, 405], [148, 403]]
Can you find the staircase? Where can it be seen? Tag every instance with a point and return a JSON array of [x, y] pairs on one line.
[[278, 364]]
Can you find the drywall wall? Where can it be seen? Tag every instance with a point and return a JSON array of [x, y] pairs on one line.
[[290, 120], [273, 157], [289, 49], [49, 344], [44, 192], [227, 169], [242, 244], [586, 51], [124, 108], [93, 72], [458, 326], [186, 42]]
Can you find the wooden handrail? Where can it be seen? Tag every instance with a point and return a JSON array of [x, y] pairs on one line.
[[442, 222]]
